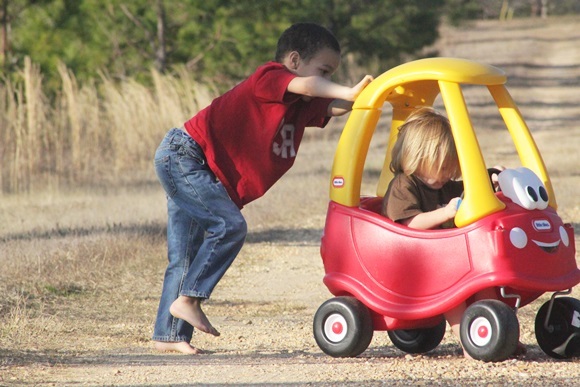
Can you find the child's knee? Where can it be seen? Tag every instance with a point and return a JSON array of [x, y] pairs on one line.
[[238, 228]]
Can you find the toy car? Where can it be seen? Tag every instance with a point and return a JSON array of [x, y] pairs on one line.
[[388, 277]]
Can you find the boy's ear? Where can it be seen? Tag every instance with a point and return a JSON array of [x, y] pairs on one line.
[[294, 59]]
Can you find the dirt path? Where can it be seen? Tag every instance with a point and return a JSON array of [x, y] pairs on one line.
[[264, 310]]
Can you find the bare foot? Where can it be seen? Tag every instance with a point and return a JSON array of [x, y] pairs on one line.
[[181, 346], [189, 309]]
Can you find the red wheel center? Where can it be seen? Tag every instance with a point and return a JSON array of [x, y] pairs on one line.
[[337, 328], [482, 332]]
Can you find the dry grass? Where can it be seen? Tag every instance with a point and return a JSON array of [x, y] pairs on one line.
[[88, 134], [72, 264]]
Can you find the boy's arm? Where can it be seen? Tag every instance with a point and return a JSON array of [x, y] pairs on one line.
[[338, 107], [432, 219], [316, 86]]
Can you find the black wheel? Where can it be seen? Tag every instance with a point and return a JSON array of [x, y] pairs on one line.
[[343, 327], [418, 340], [560, 339], [490, 331]]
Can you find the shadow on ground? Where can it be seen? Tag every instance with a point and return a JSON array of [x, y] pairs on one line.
[[302, 236]]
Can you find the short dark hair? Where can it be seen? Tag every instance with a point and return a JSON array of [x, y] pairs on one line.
[[307, 39]]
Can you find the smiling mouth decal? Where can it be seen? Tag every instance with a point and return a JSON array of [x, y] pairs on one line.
[[547, 247]]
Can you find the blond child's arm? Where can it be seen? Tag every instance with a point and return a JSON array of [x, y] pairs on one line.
[[315, 86], [433, 219]]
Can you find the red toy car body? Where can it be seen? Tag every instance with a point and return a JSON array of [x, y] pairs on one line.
[[388, 277]]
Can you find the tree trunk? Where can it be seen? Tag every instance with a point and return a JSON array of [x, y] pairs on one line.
[[544, 11], [539, 8], [160, 52], [4, 33]]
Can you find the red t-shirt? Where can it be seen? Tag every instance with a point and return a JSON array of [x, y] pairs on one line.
[[251, 134]]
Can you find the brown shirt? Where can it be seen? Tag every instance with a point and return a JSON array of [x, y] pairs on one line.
[[408, 196]]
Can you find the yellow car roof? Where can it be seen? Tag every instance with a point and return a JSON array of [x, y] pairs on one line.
[[416, 84]]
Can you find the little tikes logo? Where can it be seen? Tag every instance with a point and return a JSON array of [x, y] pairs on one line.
[[338, 182], [542, 225]]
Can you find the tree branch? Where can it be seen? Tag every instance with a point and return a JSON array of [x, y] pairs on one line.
[[195, 60]]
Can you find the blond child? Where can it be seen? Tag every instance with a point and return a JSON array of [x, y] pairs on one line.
[[424, 193]]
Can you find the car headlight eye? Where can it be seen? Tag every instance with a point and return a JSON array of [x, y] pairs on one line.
[[564, 236], [543, 193], [524, 188], [532, 193], [518, 237]]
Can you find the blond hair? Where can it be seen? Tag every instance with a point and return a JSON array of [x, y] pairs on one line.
[[425, 144]]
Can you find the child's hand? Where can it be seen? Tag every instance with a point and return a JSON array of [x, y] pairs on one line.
[[494, 176], [343, 103], [361, 85], [451, 207]]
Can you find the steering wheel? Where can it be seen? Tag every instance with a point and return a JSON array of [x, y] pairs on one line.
[[491, 172]]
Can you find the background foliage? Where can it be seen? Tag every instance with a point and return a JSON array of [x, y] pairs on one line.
[[220, 40], [217, 39]]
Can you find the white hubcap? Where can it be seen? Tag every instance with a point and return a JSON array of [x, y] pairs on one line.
[[335, 328], [480, 331]]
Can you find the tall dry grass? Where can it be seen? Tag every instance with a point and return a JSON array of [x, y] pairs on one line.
[[90, 133]]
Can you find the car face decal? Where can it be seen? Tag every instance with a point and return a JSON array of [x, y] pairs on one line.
[[524, 188], [547, 247], [519, 237]]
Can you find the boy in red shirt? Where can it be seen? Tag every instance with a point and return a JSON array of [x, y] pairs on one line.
[[229, 154]]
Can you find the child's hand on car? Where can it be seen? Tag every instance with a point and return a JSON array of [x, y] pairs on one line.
[[361, 85], [451, 207], [494, 176]]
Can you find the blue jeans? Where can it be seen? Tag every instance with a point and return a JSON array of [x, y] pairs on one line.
[[205, 229]]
